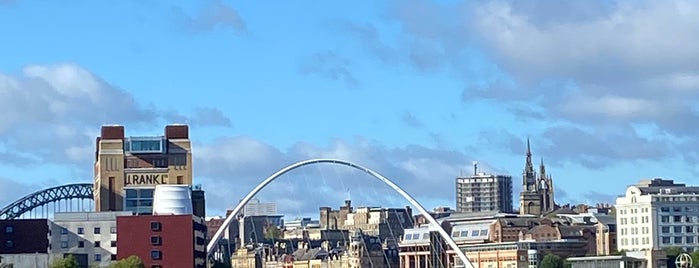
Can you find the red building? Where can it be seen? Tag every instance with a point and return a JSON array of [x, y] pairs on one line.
[[163, 240], [24, 236]]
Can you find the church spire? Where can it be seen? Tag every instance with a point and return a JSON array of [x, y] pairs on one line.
[[542, 169], [529, 176]]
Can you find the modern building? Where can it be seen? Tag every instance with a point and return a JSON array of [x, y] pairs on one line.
[[537, 196], [614, 261], [257, 208], [91, 237], [163, 240], [24, 243], [656, 214], [24, 236], [128, 168], [483, 192], [301, 223]]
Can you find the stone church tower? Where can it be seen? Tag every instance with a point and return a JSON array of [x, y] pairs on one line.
[[536, 197]]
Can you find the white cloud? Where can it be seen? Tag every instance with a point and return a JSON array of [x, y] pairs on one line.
[[232, 166]]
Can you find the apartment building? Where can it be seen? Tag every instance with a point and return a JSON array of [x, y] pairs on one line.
[[483, 192]]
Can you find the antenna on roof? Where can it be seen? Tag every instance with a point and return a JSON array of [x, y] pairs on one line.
[[475, 168]]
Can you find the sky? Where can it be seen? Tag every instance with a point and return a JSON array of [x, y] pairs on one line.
[[607, 92]]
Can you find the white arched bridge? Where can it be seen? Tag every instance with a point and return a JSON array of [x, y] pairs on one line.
[[84, 191]]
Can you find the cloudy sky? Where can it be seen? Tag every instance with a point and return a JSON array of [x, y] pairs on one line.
[[607, 91]]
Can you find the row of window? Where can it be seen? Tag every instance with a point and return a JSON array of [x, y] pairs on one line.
[[81, 230], [81, 244], [678, 229]]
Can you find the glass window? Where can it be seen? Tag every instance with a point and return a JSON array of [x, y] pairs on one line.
[[155, 226], [97, 230], [677, 218], [677, 229], [81, 244], [146, 193], [666, 240], [689, 240], [64, 244], [455, 234], [9, 229], [113, 244], [425, 236], [112, 230], [64, 230], [474, 233], [155, 240], [678, 240], [97, 244], [98, 257], [81, 230], [155, 254], [114, 257], [665, 229], [9, 243], [689, 229], [484, 232], [665, 219], [131, 193], [464, 233]]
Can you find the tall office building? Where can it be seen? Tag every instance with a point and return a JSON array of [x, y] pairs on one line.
[[127, 169], [536, 197], [657, 214], [257, 208], [483, 192]]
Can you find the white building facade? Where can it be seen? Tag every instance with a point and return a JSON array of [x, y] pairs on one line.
[[658, 214], [89, 236]]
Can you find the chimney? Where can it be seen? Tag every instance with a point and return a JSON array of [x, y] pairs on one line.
[[177, 132]]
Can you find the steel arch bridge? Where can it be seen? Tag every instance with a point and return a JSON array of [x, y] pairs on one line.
[[46, 196], [211, 247]]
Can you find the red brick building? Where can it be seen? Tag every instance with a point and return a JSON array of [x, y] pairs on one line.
[[24, 236], [163, 240]]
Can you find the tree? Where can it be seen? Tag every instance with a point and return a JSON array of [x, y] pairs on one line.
[[66, 262], [620, 253], [273, 232], [695, 259], [130, 262], [552, 261], [673, 251]]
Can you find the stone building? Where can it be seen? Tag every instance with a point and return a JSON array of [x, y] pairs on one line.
[[335, 219], [537, 196]]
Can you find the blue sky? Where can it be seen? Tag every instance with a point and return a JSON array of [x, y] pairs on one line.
[[417, 90]]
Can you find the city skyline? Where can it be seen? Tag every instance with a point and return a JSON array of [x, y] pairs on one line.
[[605, 90]]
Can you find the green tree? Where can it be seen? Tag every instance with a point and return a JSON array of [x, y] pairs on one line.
[[273, 232], [130, 262], [673, 251], [620, 252], [552, 261], [66, 262], [695, 259]]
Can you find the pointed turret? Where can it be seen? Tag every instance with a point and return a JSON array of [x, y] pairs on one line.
[[529, 175], [542, 169]]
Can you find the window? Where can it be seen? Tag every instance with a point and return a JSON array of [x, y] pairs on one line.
[[114, 257], [664, 209], [665, 219], [180, 179], [64, 230], [666, 240], [81, 244], [81, 230], [9, 243], [97, 230], [97, 244], [98, 257], [689, 240], [64, 244], [112, 230], [155, 254], [677, 229], [689, 229], [155, 226], [9, 229], [113, 244], [665, 229], [155, 240], [677, 218], [678, 240]]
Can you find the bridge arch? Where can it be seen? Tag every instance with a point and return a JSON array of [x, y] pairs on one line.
[[43, 197], [447, 238]]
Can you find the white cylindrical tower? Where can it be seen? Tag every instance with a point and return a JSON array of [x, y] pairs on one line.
[[172, 200]]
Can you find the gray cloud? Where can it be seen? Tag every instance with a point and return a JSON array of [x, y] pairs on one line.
[[598, 197], [13, 190], [329, 65], [410, 120], [232, 166], [52, 114], [610, 67], [211, 16], [203, 117]]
